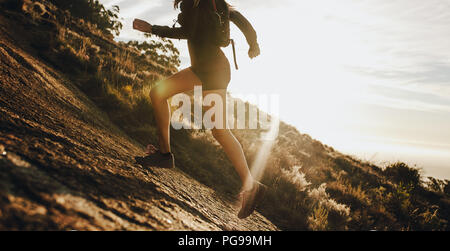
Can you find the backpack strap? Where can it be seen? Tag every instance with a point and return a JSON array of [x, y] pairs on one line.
[[231, 40], [214, 5], [234, 55]]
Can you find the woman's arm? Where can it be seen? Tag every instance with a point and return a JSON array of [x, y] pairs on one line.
[[162, 31], [166, 31], [250, 34]]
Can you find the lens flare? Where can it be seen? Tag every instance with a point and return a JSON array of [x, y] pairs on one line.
[[268, 139]]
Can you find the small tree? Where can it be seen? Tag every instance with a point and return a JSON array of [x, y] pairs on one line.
[[94, 12]]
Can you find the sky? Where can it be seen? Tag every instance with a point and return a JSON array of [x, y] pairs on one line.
[[371, 78]]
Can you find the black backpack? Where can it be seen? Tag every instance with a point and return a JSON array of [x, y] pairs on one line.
[[220, 24], [207, 21]]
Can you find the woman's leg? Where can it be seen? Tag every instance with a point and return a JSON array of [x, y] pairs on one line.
[[231, 145], [182, 81]]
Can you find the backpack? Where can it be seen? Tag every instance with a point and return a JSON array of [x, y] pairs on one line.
[[220, 24], [214, 19]]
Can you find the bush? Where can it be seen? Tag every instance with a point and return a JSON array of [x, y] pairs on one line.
[[401, 173], [94, 12]]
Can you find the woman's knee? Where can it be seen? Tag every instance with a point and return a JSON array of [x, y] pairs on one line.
[[157, 93]]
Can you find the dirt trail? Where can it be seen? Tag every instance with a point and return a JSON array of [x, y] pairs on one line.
[[68, 167]]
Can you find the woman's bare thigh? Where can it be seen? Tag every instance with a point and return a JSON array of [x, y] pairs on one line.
[[182, 81], [222, 93]]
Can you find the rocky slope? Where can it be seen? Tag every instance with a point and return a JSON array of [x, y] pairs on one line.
[[74, 112], [64, 165]]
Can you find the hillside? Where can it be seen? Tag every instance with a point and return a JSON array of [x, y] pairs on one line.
[[74, 114]]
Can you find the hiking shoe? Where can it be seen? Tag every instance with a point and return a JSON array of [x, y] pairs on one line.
[[250, 199], [157, 159]]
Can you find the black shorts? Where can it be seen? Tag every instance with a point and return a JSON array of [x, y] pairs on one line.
[[213, 80], [213, 69]]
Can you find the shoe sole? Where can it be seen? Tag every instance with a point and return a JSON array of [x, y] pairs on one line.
[[168, 164], [259, 196]]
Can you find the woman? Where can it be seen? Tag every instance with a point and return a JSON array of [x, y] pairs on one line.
[[211, 69]]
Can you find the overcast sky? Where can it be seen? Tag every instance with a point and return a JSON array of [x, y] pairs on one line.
[[369, 77]]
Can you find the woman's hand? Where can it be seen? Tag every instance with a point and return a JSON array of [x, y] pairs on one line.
[[141, 25], [254, 51]]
